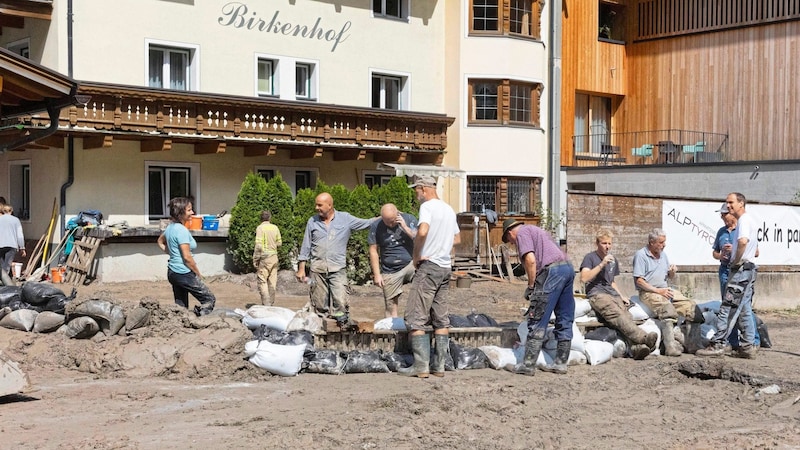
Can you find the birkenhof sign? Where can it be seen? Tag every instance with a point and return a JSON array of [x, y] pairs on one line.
[[692, 226]]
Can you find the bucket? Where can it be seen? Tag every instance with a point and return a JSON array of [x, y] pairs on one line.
[[464, 282], [16, 269], [56, 275], [195, 223]]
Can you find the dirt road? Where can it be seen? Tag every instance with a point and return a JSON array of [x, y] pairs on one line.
[[108, 393]]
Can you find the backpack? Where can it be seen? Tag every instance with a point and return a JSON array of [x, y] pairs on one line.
[[89, 217]]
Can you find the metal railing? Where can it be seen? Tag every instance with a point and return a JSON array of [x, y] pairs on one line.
[[657, 147]]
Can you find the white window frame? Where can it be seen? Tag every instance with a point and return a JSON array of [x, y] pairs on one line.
[[15, 192], [405, 10], [194, 183], [275, 89], [313, 79], [193, 71], [405, 88], [288, 174], [20, 46], [380, 173]]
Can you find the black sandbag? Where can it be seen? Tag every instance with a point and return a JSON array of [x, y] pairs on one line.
[[396, 361], [9, 293], [40, 293], [363, 362], [110, 317], [322, 361], [298, 337], [467, 357], [604, 334], [449, 366], [264, 333], [18, 304], [457, 321], [481, 320], [763, 333]]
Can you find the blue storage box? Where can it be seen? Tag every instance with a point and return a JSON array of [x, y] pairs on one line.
[[210, 223]]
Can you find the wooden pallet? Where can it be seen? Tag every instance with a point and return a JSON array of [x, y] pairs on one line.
[[79, 263]]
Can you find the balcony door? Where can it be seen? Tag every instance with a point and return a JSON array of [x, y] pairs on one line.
[[592, 122]]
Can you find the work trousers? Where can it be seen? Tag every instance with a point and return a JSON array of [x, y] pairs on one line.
[[737, 306], [187, 283], [267, 277], [329, 293], [611, 310], [552, 292]]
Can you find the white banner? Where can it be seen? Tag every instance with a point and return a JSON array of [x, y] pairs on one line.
[[692, 226]]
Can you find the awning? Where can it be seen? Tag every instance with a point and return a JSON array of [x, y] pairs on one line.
[[419, 170]]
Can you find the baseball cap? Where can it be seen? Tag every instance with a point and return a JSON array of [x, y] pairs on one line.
[[423, 180], [723, 209]]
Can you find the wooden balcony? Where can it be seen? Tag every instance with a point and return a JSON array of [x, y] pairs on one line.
[[660, 147], [158, 118]]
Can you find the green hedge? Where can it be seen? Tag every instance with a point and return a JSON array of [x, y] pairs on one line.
[[291, 216]]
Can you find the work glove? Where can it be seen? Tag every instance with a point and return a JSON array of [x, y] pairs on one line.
[[528, 293]]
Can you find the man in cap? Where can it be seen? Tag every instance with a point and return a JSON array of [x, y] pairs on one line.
[[427, 298], [391, 244], [737, 306], [550, 279], [325, 248], [598, 270]]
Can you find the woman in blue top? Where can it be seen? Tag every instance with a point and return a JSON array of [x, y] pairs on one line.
[[182, 271]]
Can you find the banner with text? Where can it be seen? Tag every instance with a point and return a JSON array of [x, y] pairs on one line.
[[692, 226]]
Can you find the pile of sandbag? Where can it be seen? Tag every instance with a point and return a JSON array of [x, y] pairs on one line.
[[43, 308]]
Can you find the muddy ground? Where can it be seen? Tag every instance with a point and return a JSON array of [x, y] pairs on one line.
[[180, 383]]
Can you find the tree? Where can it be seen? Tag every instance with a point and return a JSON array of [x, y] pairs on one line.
[[278, 198]]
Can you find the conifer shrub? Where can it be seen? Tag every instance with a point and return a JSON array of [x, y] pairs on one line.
[[245, 217]]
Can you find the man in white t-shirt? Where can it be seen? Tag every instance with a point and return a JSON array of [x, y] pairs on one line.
[[737, 303], [427, 299]]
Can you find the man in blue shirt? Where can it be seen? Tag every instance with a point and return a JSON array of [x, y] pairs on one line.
[[391, 245], [325, 249]]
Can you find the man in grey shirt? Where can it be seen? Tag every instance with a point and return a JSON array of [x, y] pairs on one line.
[[325, 248]]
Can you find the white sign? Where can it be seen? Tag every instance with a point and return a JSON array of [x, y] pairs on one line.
[[691, 228]]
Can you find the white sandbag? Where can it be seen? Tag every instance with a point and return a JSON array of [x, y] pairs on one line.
[[645, 308], [586, 318], [305, 321], [273, 317], [638, 312], [649, 326], [576, 358], [393, 323], [283, 360], [384, 324], [522, 332], [498, 357], [577, 339], [21, 319], [582, 307], [598, 352], [620, 348]]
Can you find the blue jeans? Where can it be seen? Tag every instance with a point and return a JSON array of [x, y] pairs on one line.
[[184, 284], [733, 339], [553, 292], [737, 307]]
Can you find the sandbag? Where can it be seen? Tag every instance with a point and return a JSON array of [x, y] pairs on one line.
[[598, 352], [18, 304], [396, 361], [137, 318], [4, 311], [481, 320], [498, 357], [21, 319], [635, 300], [363, 362], [9, 293], [47, 321], [391, 323], [40, 293], [283, 360], [109, 316], [582, 307], [273, 317], [604, 334], [82, 327], [322, 361], [620, 348], [763, 332], [457, 321], [637, 312], [576, 358], [305, 321], [298, 337], [467, 357], [649, 326], [264, 333]]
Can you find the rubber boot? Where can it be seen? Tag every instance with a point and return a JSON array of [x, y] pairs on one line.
[[528, 364], [442, 347], [644, 349], [562, 356], [421, 347], [671, 346]]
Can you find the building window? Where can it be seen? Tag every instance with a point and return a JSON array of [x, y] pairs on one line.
[[22, 48], [19, 184], [389, 91], [395, 9], [513, 17], [376, 179], [266, 77], [266, 174], [170, 68], [611, 22], [302, 180], [592, 123], [302, 84], [296, 177], [165, 182], [486, 103], [506, 195]]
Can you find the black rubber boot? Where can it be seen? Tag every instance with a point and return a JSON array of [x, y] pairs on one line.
[[562, 356], [442, 347], [421, 347], [528, 365]]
